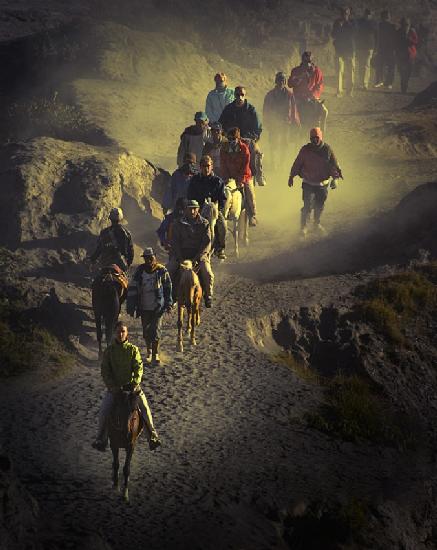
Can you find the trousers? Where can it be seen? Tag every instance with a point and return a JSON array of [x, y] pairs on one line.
[[314, 198]]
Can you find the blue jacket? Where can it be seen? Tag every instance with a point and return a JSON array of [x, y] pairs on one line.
[[203, 187], [216, 101], [163, 289]]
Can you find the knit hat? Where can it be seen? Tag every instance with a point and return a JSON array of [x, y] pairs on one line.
[[316, 132], [192, 204], [148, 251], [200, 115], [116, 214], [216, 126], [280, 76]]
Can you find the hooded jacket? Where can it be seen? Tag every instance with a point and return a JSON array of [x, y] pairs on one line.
[[121, 365], [203, 187], [235, 163], [316, 163], [216, 101], [244, 117], [193, 140], [163, 289]]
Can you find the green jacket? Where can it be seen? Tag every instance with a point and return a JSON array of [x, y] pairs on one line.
[[121, 365]]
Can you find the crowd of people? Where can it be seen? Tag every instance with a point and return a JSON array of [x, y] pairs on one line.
[[223, 145]]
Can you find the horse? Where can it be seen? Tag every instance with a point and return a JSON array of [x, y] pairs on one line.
[[210, 212], [107, 294], [232, 210], [124, 427], [189, 297]]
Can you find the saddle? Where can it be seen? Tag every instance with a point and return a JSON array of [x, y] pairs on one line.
[[124, 414], [113, 273]]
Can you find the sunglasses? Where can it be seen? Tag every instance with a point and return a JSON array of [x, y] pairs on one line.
[[240, 95]]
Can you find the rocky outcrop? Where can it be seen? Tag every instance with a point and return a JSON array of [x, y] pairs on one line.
[[57, 194]]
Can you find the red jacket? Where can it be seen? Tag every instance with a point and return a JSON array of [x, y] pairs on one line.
[[235, 164], [406, 45], [315, 164], [306, 82]]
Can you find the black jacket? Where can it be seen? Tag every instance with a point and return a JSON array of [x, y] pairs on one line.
[[244, 117], [114, 244], [203, 187]]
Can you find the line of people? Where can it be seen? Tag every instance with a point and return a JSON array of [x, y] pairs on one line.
[[383, 46]]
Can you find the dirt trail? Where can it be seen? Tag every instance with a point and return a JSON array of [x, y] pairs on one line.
[[230, 419]]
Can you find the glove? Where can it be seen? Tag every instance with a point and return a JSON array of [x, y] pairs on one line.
[[333, 184]]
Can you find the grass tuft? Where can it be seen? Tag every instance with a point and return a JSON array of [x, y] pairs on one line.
[[299, 368]]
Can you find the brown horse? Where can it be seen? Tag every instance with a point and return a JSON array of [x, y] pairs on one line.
[[124, 426], [108, 293], [189, 297]]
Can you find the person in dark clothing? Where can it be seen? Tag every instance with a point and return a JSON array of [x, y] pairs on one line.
[[243, 115], [164, 231], [385, 52], [179, 182], [315, 164], [280, 115], [365, 41], [343, 34], [406, 51], [207, 185], [114, 245]]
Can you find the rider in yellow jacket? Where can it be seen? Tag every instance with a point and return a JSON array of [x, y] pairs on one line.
[[122, 367]]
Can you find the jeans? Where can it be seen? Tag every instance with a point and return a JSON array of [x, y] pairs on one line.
[[249, 199], [220, 233], [314, 198]]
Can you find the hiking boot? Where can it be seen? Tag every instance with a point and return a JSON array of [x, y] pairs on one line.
[[156, 360], [253, 221], [350, 94], [303, 232], [99, 445], [319, 228], [221, 255], [154, 442], [208, 301], [389, 87], [379, 85], [149, 355], [339, 94]]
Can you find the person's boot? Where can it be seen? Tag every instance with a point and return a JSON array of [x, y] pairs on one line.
[[149, 352], [101, 441], [154, 441], [155, 353]]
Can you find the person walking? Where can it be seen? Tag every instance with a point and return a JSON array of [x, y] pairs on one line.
[[279, 116], [343, 34], [366, 36], [385, 52], [149, 296], [406, 51], [315, 164], [217, 99]]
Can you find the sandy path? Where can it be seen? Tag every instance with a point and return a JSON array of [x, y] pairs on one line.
[[231, 420]]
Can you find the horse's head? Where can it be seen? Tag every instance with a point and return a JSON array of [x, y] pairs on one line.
[[210, 211], [186, 265]]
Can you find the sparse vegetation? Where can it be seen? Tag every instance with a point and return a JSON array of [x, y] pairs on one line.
[[355, 411], [25, 346], [390, 303], [299, 368]]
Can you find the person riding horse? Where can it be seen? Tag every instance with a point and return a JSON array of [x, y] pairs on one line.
[[207, 185], [122, 367], [149, 296], [191, 240], [114, 245]]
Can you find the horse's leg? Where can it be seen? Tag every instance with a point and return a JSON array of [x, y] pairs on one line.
[[115, 467], [188, 319], [246, 228], [126, 471], [236, 236], [180, 345], [193, 313]]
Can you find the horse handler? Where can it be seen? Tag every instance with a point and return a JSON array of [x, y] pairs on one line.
[[149, 296], [122, 367]]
